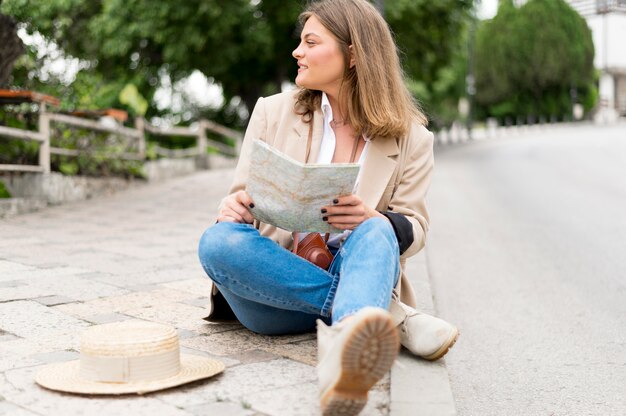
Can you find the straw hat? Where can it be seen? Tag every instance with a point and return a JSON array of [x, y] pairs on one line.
[[127, 357]]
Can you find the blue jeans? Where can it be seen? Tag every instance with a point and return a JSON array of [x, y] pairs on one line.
[[273, 291]]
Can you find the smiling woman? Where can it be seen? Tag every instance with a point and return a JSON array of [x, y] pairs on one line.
[[351, 106], [320, 60], [364, 58]]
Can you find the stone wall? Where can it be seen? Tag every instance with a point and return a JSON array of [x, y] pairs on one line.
[[56, 188], [14, 206], [32, 191]]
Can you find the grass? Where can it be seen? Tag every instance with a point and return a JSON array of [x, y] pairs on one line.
[[4, 192]]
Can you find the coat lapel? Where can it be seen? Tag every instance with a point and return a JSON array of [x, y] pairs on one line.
[[297, 148], [378, 167]]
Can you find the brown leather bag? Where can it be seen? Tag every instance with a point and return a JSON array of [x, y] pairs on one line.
[[314, 249]]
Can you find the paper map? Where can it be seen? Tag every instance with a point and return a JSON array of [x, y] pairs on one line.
[[290, 194]]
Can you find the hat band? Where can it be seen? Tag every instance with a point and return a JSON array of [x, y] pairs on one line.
[[130, 369]]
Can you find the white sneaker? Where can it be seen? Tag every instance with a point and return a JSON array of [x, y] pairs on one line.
[[424, 335], [352, 356]]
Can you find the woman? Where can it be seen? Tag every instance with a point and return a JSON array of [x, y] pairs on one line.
[[353, 98]]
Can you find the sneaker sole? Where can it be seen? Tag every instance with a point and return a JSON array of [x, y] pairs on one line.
[[368, 354], [445, 347]]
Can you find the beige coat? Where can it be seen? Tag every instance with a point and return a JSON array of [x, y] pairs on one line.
[[395, 173]]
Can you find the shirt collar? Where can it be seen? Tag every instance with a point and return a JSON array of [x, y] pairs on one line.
[[327, 110]]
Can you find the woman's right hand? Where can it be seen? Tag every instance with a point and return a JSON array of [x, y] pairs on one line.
[[235, 208]]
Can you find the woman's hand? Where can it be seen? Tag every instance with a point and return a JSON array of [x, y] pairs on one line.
[[347, 212], [235, 208]]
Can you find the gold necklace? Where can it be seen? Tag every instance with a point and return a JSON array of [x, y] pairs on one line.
[[337, 123]]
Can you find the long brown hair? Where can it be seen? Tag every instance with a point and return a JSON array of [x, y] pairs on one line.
[[373, 95]]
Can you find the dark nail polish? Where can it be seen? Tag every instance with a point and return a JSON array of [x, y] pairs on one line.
[[325, 218], [323, 211], [251, 205], [335, 201]]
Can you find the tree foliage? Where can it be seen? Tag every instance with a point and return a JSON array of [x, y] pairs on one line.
[[428, 33], [432, 37], [11, 49], [532, 60], [244, 45]]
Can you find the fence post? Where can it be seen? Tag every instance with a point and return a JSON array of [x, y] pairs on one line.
[[44, 130], [202, 158], [140, 125], [202, 139], [238, 144]]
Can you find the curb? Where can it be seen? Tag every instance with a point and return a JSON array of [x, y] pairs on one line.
[[11, 207], [420, 387]]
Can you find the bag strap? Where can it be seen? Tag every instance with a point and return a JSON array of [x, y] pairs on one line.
[[309, 142]]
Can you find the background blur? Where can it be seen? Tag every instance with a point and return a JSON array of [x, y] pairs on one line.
[[512, 62], [154, 65]]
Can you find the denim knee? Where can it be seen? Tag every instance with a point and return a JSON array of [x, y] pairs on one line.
[[375, 231], [379, 226], [219, 242]]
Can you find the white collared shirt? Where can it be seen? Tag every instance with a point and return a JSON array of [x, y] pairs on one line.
[[327, 150], [329, 141]]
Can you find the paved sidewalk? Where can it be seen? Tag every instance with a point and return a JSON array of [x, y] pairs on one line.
[[133, 256]]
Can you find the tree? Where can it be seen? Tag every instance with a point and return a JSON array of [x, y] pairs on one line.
[[532, 60], [432, 37], [12, 47], [140, 41], [244, 45]]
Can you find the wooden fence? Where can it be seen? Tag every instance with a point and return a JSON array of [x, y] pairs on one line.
[[135, 138]]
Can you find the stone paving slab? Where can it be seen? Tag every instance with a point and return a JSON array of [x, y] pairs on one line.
[[49, 287], [13, 410], [18, 388], [54, 300], [132, 255], [42, 273], [30, 319], [11, 266]]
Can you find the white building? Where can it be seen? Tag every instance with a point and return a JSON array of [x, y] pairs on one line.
[[607, 20]]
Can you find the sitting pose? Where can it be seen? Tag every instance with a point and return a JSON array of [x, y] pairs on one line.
[[351, 106]]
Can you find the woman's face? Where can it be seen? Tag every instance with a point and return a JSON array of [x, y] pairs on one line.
[[320, 61]]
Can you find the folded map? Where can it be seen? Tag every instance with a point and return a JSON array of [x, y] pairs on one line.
[[290, 194]]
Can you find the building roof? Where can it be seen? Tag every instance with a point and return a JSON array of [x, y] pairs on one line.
[[19, 97], [119, 115]]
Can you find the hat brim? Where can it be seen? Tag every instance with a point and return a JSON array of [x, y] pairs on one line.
[[65, 377]]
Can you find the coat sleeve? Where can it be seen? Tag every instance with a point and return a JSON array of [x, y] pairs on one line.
[[409, 197], [256, 130], [402, 227]]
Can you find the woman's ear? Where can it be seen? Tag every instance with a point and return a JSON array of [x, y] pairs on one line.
[[352, 58]]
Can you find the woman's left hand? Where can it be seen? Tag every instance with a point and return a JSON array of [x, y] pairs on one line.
[[347, 212]]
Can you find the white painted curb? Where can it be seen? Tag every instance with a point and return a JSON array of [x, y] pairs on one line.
[[420, 387]]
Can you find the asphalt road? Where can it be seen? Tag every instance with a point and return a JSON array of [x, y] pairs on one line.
[[527, 255]]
